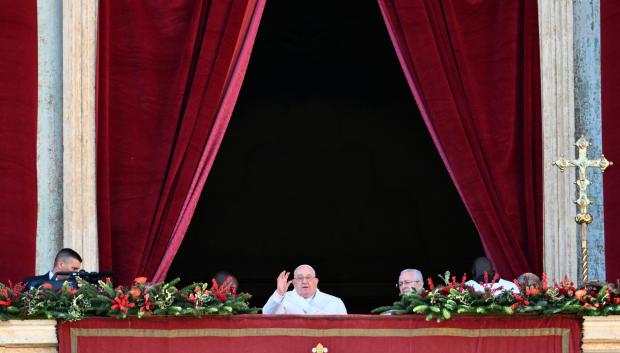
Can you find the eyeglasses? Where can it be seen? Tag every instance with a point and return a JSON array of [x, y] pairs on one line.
[[301, 279], [403, 283]]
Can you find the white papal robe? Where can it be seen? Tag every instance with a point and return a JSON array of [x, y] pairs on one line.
[[292, 303], [505, 286]]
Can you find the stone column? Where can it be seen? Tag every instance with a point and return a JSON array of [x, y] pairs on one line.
[[79, 34], [28, 336], [49, 134], [555, 22], [587, 61]]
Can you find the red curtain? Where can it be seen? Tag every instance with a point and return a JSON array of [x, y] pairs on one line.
[[168, 76], [18, 139], [610, 91], [473, 68]]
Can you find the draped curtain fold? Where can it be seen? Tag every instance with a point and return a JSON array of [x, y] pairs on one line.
[[18, 139], [169, 73], [473, 69], [610, 109]]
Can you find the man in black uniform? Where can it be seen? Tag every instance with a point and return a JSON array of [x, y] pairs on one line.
[[67, 260]]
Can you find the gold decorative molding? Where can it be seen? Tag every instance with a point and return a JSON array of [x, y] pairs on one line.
[[319, 349]]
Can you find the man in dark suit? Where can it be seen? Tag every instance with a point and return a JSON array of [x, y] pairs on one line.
[[67, 260]]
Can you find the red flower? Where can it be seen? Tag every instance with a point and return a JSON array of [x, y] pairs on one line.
[[16, 289], [431, 286], [47, 285], [565, 281], [147, 304], [616, 300], [220, 291], [517, 284], [463, 280], [444, 291], [140, 280], [7, 299], [122, 303], [532, 291], [495, 278], [191, 298], [135, 292], [580, 293], [544, 281], [498, 289], [221, 296], [486, 277]]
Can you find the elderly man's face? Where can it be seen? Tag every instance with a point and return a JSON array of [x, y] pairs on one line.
[[305, 281], [407, 281]]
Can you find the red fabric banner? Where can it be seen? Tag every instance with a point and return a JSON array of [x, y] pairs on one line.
[[474, 70], [353, 333], [169, 75], [610, 91], [18, 139]]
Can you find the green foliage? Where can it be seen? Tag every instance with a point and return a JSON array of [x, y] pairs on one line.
[[140, 299], [452, 297]]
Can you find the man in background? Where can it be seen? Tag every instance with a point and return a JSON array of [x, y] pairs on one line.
[[481, 266], [66, 260], [409, 280], [226, 277]]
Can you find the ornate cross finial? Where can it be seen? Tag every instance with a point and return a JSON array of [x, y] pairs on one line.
[[582, 163], [319, 349]]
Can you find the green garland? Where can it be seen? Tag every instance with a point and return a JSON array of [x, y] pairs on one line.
[[454, 297], [103, 299]]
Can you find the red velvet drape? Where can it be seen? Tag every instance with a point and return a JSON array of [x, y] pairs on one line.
[[18, 138], [610, 92], [473, 68], [299, 333], [169, 74]]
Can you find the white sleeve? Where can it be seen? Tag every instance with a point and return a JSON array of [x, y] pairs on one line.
[[275, 304], [335, 306], [338, 307]]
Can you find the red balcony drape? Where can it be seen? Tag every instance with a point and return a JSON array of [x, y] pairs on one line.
[[18, 138], [473, 68], [169, 73]]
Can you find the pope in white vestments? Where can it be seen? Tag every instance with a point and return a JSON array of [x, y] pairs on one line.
[[305, 298]]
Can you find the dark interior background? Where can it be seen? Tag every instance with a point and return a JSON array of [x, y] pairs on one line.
[[327, 161]]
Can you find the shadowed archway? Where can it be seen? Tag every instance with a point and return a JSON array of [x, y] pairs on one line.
[[327, 161]]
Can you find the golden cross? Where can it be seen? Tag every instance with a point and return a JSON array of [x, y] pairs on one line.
[[319, 349], [582, 163]]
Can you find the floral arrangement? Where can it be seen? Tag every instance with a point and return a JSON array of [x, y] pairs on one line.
[[442, 301], [103, 299]]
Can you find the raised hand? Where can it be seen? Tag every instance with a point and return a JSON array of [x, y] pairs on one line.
[[283, 282]]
